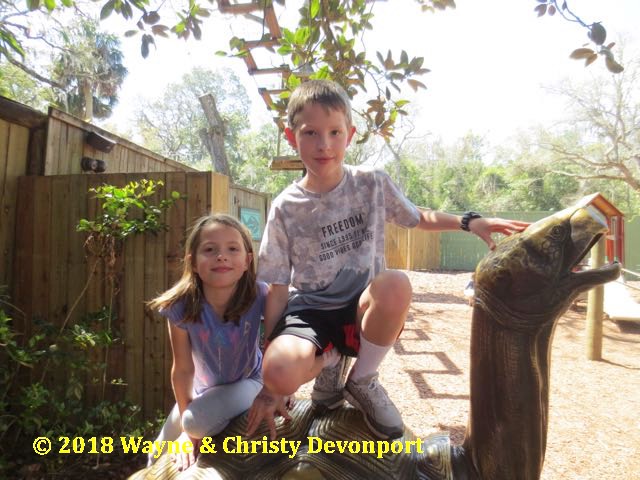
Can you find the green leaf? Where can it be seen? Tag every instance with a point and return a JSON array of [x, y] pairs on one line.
[[314, 8], [131, 33], [50, 4], [301, 36]]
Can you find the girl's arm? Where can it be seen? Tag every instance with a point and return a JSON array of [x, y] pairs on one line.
[[182, 370]]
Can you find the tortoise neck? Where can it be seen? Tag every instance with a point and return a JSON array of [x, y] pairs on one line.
[[508, 417]]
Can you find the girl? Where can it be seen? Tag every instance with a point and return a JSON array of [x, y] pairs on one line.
[[214, 314]]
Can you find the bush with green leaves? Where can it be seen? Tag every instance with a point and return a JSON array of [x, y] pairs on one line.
[[44, 379]]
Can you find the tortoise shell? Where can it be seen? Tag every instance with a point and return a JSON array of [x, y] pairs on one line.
[[316, 457]]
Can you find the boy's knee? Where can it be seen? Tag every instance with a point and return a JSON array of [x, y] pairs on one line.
[[283, 362], [392, 289], [278, 378]]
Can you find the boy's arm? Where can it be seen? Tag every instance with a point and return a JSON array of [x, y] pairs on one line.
[[277, 297], [266, 405], [432, 220]]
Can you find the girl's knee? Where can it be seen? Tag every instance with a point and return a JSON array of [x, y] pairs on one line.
[[197, 427]]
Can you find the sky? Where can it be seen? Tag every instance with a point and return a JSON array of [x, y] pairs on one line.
[[490, 61]]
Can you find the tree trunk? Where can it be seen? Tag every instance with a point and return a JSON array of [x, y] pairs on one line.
[[88, 101], [213, 137]]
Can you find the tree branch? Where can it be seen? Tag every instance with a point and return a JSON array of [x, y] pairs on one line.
[[32, 72]]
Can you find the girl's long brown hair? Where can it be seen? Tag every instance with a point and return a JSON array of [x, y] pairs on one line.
[[189, 287]]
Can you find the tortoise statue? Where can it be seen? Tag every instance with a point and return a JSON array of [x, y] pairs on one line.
[[521, 289]]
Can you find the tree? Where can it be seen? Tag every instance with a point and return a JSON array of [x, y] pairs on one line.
[[328, 40], [90, 69], [171, 124], [601, 139], [16, 84], [256, 149]]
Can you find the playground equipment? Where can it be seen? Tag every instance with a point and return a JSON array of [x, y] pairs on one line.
[[619, 304]]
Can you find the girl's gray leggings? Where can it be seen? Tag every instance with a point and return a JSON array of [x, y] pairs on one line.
[[210, 412]]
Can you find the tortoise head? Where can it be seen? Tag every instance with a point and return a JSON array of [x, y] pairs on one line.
[[531, 274]]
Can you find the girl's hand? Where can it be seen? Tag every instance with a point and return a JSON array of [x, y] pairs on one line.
[[484, 227], [185, 460], [265, 407]]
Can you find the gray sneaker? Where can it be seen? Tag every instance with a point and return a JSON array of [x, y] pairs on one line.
[[327, 393], [380, 414]]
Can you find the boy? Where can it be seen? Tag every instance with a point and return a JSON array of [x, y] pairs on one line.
[[330, 296]]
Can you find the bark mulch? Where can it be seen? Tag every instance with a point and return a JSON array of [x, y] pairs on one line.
[[594, 425]]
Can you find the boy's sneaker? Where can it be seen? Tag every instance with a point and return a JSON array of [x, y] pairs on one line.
[[380, 414], [327, 393]]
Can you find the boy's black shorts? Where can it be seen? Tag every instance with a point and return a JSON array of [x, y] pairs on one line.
[[326, 329]]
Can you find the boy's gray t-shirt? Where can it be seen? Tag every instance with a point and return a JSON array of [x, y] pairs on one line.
[[328, 247]]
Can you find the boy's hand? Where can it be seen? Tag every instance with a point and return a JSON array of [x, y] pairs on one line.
[[265, 407], [484, 227]]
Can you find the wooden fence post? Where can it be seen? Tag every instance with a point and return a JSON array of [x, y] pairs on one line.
[[595, 307], [219, 193]]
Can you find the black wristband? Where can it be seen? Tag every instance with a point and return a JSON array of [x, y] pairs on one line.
[[466, 219]]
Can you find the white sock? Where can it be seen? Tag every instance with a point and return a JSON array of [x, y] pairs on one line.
[[330, 358], [369, 359]]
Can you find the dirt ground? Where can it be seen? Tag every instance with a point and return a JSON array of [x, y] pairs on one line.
[[594, 427]]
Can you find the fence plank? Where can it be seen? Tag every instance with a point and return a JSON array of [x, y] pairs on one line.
[[174, 248], [14, 143], [134, 324], [154, 331], [198, 196], [76, 261], [23, 262]]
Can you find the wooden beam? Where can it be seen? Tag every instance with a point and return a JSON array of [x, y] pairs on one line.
[[239, 8], [20, 114], [283, 69], [280, 122], [272, 21], [268, 43], [276, 91], [250, 62], [264, 93], [286, 162]]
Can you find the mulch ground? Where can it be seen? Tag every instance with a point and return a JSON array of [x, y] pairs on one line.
[[594, 426]]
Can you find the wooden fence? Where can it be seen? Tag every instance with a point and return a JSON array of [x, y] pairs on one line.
[[67, 144], [14, 144], [411, 249], [51, 271]]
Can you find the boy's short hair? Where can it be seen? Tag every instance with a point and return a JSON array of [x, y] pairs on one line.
[[327, 93]]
